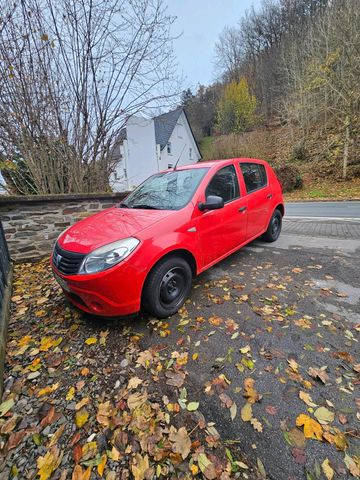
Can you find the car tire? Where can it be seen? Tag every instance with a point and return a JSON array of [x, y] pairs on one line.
[[274, 229], [167, 287]]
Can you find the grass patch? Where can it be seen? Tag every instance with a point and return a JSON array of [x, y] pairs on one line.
[[327, 190]]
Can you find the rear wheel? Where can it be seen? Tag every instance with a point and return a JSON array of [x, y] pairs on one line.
[[167, 287], [274, 228]]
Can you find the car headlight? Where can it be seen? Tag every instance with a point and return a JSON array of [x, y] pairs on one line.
[[109, 255]]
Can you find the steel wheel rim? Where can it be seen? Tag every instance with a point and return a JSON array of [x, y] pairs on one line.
[[172, 287], [275, 227]]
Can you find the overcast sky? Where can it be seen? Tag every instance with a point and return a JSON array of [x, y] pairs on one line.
[[201, 21]]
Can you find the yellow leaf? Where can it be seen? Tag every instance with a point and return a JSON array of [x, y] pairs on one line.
[[81, 417], [49, 463], [102, 464], [82, 403], [328, 471], [70, 394], [246, 412], [85, 371], [305, 397], [24, 341], [194, 469], [195, 356], [79, 474], [90, 340], [48, 389], [139, 467], [312, 429]]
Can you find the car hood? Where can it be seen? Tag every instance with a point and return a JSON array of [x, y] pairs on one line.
[[108, 226]]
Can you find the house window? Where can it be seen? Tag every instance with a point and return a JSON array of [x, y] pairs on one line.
[[168, 148], [190, 153]]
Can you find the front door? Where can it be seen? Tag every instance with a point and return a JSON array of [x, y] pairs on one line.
[[221, 231]]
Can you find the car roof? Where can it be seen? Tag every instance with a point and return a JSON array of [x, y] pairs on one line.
[[216, 163]]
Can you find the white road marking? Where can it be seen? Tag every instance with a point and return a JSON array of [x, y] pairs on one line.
[[347, 219]]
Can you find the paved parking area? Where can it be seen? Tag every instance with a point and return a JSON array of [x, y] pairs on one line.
[[349, 230]]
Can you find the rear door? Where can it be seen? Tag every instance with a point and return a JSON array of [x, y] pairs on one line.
[[221, 231], [259, 195]]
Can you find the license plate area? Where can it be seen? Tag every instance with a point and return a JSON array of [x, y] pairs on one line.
[[63, 284]]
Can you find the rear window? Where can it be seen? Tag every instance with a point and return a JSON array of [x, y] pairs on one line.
[[254, 176]]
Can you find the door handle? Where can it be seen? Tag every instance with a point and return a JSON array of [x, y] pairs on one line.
[[242, 209], [269, 196]]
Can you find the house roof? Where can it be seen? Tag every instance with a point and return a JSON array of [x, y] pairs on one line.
[[164, 126]]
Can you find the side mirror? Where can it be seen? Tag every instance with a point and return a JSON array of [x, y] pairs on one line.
[[213, 202]]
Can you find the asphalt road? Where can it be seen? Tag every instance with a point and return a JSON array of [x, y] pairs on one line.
[[338, 210]]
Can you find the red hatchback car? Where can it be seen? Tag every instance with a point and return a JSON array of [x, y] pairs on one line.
[[145, 251]]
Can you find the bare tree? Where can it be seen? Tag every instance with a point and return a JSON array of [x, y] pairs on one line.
[[71, 73]]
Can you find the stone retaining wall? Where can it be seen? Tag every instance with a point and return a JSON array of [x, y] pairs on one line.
[[32, 223]]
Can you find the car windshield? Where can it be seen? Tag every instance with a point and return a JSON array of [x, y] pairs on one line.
[[170, 190]]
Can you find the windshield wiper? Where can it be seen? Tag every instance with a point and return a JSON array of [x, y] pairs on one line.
[[123, 205], [144, 206]]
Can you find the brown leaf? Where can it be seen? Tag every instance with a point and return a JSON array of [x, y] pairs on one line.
[[175, 379], [181, 441], [318, 373], [15, 439], [299, 456], [250, 393], [271, 410]]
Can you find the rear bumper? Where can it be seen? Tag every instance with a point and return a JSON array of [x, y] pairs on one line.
[[115, 292]]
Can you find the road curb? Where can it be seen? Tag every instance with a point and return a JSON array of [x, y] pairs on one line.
[[318, 200]]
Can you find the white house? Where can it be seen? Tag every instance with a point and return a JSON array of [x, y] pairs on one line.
[[146, 146]]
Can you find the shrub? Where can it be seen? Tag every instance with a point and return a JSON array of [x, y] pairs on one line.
[[289, 177], [299, 153]]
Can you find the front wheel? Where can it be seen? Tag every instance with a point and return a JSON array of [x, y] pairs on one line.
[[167, 287], [274, 229]]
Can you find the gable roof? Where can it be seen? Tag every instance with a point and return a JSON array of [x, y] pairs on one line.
[[164, 126]]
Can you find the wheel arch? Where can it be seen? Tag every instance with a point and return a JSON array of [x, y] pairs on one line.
[[281, 209], [179, 252]]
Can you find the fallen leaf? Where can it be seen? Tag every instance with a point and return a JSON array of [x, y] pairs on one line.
[[318, 373], [324, 415], [81, 417], [354, 469], [233, 411], [101, 466], [246, 412], [48, 463], [140, 466], [312, 429], [256, 424], [192, 406], [90, 341], [134, 382], [305, 397], [328, 471], [181, 441], [6, 406], [70, 394]]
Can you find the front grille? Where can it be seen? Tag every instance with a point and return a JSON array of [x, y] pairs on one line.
[[67, 262]]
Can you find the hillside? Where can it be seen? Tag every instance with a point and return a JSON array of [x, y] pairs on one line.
[[319, 159]]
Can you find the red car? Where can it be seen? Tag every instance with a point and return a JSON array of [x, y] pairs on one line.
[[145, 251]]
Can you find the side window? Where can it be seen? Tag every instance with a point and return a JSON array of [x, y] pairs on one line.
[[254, 176], [224, 184]]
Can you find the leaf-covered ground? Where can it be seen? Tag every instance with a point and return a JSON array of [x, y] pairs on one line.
[[257, 377]]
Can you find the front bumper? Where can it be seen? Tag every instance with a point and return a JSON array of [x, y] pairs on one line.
[[112, 293]]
